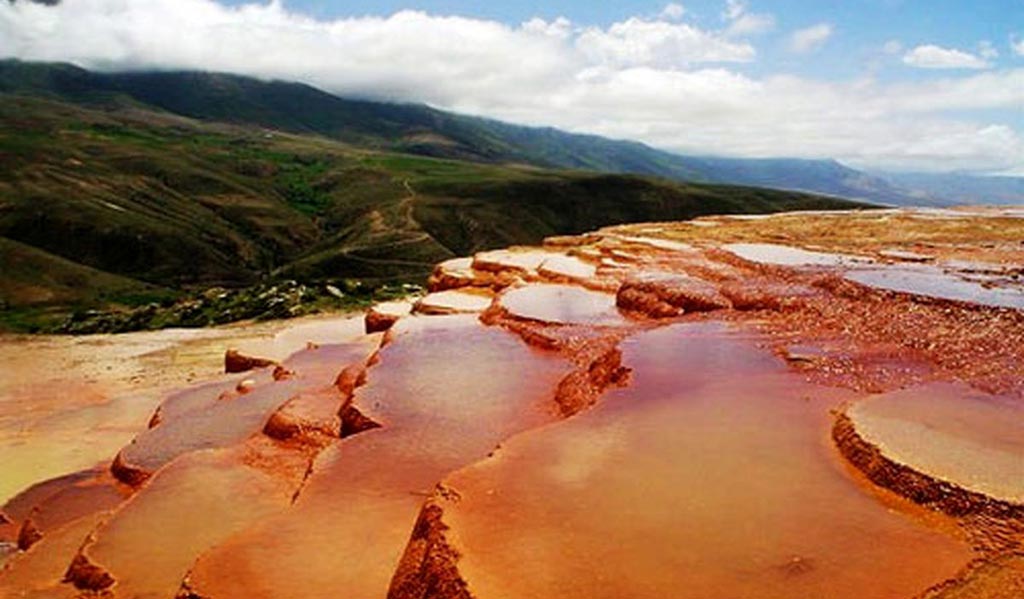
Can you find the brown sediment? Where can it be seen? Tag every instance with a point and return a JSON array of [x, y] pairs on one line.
[[979, 344], [459, 273], [982, 344], [765, 294], [659, 295], [377, 322], [429, 567], [581, 388], [72, 498], [354, 422], [155, 419], [281, 373], [87, 576], [593, 351], [234, 361], [999, 577], [317, 417], [310, 418], [243, 387], [381, 317], [287, 462], [206, 417], [8, 530], [186, 592], [314, 419], [128, 473], [29, 534], [918, 487], [40, 571], [638, 301], [350, 378]]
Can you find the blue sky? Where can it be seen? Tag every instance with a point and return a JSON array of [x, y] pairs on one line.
[[889, 84], [861, 27]]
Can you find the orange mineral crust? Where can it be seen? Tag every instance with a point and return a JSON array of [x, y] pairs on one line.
[[817, 404], [708, 476]]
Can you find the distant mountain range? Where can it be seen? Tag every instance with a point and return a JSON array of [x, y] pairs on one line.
[[421, 130], [956, 188]]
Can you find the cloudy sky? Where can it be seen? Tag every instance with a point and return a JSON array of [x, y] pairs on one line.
[[896, 84]]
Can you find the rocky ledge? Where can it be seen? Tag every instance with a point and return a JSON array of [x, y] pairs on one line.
[[639, 411]]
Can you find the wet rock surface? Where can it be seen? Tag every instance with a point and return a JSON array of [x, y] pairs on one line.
[[706, 408], [651, 489], [942, 444]]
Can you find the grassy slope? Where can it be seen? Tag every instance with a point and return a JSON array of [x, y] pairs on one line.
[[103, 204], [418, 129]]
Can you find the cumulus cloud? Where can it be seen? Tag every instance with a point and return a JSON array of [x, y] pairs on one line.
[[930, 56], [660, 80], [803, 41], [742, 22], [639, 42]]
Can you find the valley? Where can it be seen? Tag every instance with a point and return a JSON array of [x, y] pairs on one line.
[[110, 204]]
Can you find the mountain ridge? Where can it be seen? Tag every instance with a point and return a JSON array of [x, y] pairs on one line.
[[111, 202], [420, 129]]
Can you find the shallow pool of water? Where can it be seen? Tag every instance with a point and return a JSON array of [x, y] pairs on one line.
[[562, 304], [934, 282], [710, 476], [447, 390], [950, 432], [784, 255]]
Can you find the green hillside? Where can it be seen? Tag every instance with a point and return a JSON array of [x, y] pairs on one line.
[[418, 129], [114, 203]]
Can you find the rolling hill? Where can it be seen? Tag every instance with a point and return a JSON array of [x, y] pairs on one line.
[[422, 130], [107, 199]]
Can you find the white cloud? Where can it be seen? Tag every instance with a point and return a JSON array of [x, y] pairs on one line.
[[560, 28], [987, 51], [638, 42], [672, 12], [810, 39], [733, 9], [667, 83], [750, 24], [1017, 45], [745, 23], [930, 56]]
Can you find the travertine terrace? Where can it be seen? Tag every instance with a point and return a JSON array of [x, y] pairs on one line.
[[798, 405]]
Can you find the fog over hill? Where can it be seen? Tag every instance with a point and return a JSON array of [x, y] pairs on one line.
[[422, 130]]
